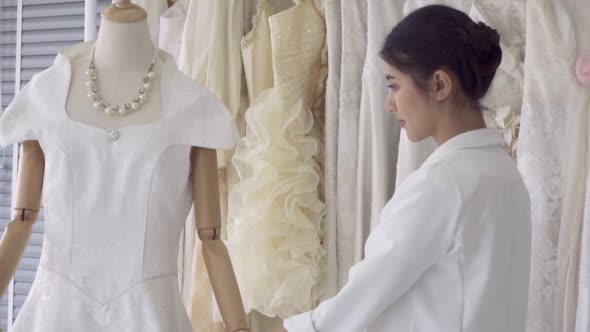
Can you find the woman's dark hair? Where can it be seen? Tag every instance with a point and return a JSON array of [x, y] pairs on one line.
[[439, 37]]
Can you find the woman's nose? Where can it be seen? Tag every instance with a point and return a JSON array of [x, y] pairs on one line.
[[390, 103]]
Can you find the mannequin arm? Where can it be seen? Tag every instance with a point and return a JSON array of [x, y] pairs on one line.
[[208, 223], [28, 203]]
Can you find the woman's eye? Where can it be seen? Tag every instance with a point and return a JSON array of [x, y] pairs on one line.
[[393, 87]]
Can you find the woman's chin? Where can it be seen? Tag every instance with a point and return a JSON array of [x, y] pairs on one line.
[[413, 137]]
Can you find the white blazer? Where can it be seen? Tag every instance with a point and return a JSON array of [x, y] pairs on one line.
[[451, 252]]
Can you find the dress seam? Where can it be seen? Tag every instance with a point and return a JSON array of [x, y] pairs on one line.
[[112, 299], [149, 199]]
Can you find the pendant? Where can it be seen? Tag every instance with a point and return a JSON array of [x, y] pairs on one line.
[[113, 135]]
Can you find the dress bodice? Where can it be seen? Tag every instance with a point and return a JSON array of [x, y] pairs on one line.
[[284, 51], [115, 201], [297, 36]]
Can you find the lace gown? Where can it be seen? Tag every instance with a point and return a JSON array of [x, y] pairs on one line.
[[539, 158], [275, 210], [114, 205], [553, 148], [573, 256]]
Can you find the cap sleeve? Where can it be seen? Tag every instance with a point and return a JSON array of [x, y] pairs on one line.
[[201, 119], [21, 121]]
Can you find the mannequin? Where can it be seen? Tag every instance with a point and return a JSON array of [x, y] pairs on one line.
[[123, 52]]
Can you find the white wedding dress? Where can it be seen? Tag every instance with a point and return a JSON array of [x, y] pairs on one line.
[[553, 158], [114, 210], [540, 148]]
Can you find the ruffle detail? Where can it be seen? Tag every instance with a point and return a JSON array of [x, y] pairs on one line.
[[275, 213], [319, 105], [319, 100]]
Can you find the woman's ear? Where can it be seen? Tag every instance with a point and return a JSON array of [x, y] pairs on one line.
[[442, 85]]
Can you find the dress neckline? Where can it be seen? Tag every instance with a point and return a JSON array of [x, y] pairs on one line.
[[61, 57]]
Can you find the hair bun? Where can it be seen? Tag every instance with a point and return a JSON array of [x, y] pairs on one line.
[[485, 30], [486, 46]]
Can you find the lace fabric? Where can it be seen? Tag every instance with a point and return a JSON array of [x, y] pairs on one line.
[[542, 130]]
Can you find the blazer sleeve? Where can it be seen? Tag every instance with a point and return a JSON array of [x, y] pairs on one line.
[[416, 230]]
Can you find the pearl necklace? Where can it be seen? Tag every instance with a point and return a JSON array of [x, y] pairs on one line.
[[101, 105]]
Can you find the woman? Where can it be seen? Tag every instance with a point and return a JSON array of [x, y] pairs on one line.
[[451, 252]]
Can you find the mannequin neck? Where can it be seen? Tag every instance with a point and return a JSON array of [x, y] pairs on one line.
[[123, 46]]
